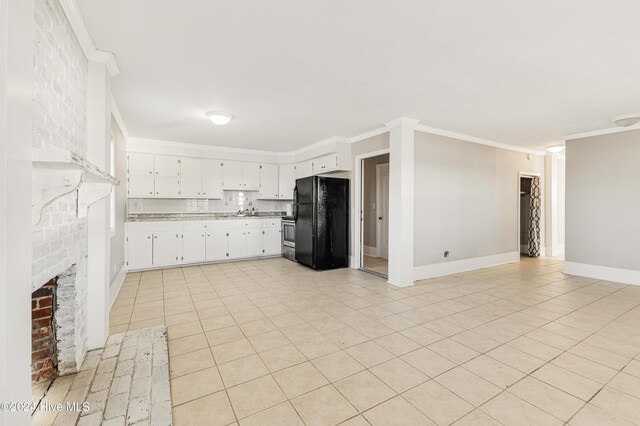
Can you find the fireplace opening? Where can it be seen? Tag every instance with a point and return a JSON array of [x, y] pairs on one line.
[[44, 345]]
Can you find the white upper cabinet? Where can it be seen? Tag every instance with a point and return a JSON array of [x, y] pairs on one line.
[[304, 169], [328, 163], [166, 165], [286, 181], [240, 176], [140, 176], [191, 177], [251, 176], [232, 175], [269, 182], [140, 164], [211, 179]]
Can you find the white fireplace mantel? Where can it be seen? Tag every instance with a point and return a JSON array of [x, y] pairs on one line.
[[56, 173]]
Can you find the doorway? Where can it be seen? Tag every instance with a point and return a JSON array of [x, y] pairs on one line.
[[375, 215], [530, 216]]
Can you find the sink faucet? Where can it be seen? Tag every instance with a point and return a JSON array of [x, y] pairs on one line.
[[243, 212]]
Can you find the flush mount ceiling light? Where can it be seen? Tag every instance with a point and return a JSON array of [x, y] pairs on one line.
[[627, 120], [555, 149], [219, 118]]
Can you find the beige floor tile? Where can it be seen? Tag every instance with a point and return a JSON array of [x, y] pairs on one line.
[[299, 379], [494, 371], [600, 355], [242, 370], [138, 325], [633, 368], [181, 318], [257, 327], [546, 397], [454, 351], [210, 410], [626, 383], [187, 344], [508, 409], [592, 370], [437, 402], [619, 404], [591, 415], [475, 341], [428, 362], [337, 365], [369, 354], [183, 330], [473, 389], [279, 415], [324, 406], [567, 381], [282, 357], [477, 418], [422, 335], [515, 358], [364, 390], [224, 335], [346, 337], [356, 421], [255, 396], [397, 344], [396, 412], [317, 346], [398, 375], [266, 341], [232, 350], [195, 385], [216, 323], [535, 348], [190, 362]]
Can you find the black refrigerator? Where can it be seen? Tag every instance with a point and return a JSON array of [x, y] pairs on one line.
[[321, 213]]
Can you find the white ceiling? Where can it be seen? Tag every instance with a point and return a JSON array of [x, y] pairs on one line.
[[294, 72]]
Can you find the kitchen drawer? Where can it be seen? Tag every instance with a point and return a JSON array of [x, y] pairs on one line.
[[154, 226], [271, 223]]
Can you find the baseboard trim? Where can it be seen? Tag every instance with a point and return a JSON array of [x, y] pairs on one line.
[[447, 268], [371, 251], [618, 275], [116, 285]]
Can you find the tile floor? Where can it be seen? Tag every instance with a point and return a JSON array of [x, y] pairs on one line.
[[376, 264], [270, 342]]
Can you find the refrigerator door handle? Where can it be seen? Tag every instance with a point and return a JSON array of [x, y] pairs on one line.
[[295, 203]]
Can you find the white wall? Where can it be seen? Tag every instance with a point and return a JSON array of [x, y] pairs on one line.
[[16, 72], [466, 199], [602, 206], [117, 239]]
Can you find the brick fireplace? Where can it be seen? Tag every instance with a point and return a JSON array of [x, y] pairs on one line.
[[44, 351], [57, 338]]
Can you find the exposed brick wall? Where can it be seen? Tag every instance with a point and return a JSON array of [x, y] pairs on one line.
[[60, 122], [44, 357]]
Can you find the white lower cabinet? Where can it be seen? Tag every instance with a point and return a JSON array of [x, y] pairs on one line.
[[139, 250], [194, 247], [237, 243], [254, 242], [159, 244], [272, 242], [217, 245], [165, 248]]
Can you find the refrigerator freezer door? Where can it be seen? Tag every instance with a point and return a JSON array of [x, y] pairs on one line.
[[304, 191], [304, 235], [332, 224]]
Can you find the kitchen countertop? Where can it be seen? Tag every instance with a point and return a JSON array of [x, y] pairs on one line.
[[151, 217]]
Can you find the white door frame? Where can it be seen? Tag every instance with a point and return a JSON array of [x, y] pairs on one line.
[[542, 206], [379, 211], [358, 199]]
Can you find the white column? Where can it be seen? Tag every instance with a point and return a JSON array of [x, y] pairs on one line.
[[554, 203], [16, 133], [401, 196], [98, 249]]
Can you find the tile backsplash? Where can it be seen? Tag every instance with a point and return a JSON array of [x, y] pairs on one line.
[[231, 202]]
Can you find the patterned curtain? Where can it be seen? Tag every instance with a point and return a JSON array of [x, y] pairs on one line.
[[535, 216]]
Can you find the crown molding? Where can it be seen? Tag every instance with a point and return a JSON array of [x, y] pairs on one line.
[[115, 111], [74, 16], [371, 134], [607, 131], [405, 121], [175, 144], [473, 139]]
